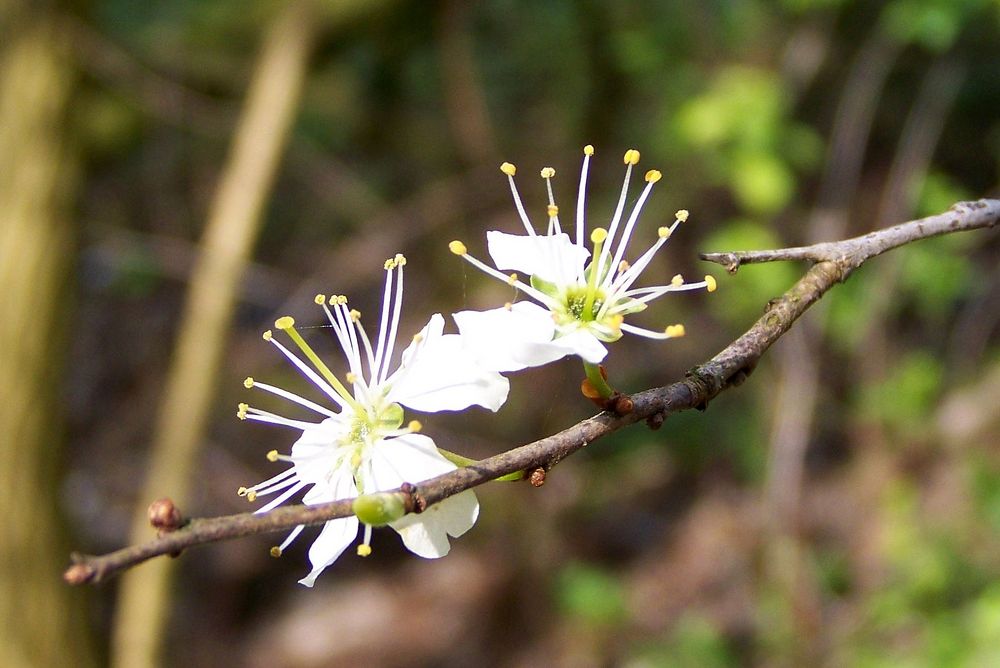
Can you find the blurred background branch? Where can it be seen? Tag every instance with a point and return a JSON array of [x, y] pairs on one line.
[[233, 224]]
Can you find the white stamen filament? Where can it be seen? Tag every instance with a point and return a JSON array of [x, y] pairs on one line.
[[271, 482], [317, 380], [342, 330], [581, 199], [294, 398], [521, 285], [616, 219], [291, 537], [383, 323], [363, 335], [554, 227], [646, 333], [274, 503], [623, 242], [528, 227], [257, 415], [349, 344], [397, 307]]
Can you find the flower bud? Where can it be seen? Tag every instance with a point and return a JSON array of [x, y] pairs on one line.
[[164, 515], [379, 509]]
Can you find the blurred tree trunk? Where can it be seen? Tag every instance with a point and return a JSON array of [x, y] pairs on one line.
[[41, 621], [232, 228]]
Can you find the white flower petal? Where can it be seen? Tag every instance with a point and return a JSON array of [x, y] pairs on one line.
[[427, 534], [407, 458], [522, 336], [440, 374], [423, 537], [553, 258], [457, 513], [431, 332], [336, 534], [315, 453], [414, 458], [330, 544], [581, 342]]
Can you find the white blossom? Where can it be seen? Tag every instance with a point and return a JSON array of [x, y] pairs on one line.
[[361, 446], [582, 295]]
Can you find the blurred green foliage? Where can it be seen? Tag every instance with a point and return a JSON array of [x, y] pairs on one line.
[[407, 111], [694, 643], [590, 595]]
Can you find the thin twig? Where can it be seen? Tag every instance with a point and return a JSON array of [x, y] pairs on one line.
[[851, 253], [833, 262]]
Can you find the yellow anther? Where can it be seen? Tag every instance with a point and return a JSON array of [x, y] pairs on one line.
[[418, 337], [241, 411], [588, 150], [508, 169], [242, 491], [400, 259], [284, 322], [623, 266], [675, 331], [508, 306], [275, 551], [548, 172], [458, 248], [710, 283], [364, 550], [388, 264], [320, 299], [415, 426], [272, 456], [677, 280], [248, 382], [355, 315], [251, 495], [653, 175], [552, 210], [512, 279], [351, 377], [598, 235], [341, 299], [267, 335], [631, 157], [663, 232], [682, 215]]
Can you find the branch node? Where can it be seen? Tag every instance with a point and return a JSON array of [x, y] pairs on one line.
[[621, 404], [731, 261], [740, 375], [537, 476], [656, 420], [414, 502], [79, 572]]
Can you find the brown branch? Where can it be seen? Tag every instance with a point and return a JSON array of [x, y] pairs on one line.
[[833, 262], [851, 253]]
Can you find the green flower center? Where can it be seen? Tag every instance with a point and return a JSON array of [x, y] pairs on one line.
[[373, 423], [576, 303]]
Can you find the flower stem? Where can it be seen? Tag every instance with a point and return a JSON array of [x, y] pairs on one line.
[[596, 379]]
